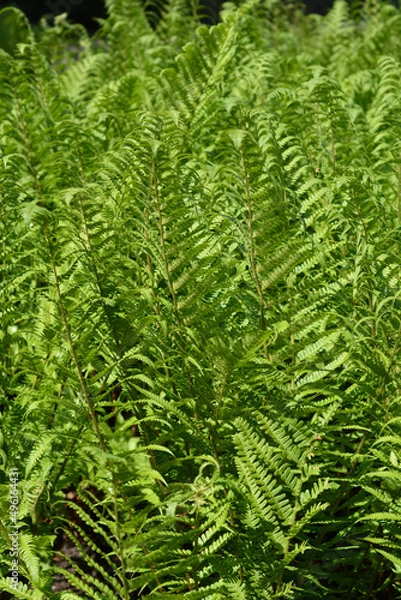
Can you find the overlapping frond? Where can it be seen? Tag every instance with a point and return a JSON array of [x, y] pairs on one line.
[[200, 304]]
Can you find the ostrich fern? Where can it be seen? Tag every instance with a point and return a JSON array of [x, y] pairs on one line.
[[200, 304]]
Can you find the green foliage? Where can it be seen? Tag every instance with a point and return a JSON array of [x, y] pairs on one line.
[[14, 29], [200, 304]]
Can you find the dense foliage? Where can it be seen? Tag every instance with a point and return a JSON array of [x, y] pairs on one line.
[[201, 304]]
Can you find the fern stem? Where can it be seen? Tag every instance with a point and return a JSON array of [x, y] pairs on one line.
[[155, 186], [253, 259], [71, 344], [100, 292], [89, 404], [170, 284], [332, 145], [214, 427]]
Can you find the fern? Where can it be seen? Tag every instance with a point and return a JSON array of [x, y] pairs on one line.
[[200, 303]]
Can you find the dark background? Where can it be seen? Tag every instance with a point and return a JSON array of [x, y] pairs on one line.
[[80, 11], [84, 11]]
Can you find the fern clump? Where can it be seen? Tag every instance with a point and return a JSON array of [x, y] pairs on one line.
[[200, 304]]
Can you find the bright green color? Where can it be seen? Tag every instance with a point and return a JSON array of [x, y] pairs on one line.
[[201, 304]]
